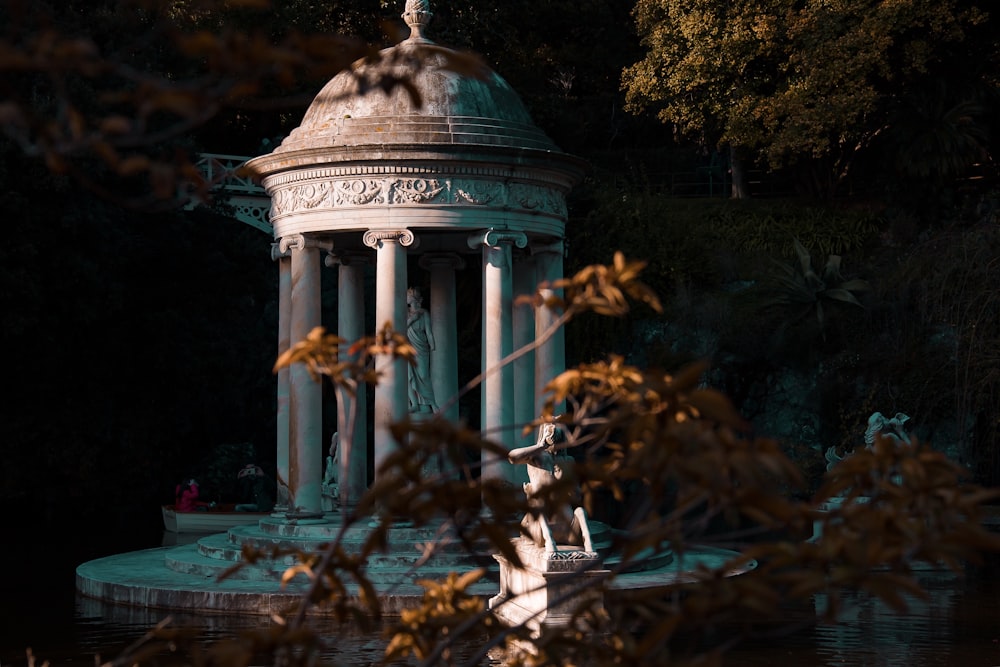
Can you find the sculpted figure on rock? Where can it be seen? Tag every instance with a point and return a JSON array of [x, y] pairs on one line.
[[555, 521]]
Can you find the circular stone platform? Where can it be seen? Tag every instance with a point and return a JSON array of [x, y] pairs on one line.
[[186, 577]]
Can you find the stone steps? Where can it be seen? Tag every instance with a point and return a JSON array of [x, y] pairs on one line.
[[188, 576], [406, 545], [219, 552], [404, 555], [353, 539], [214, 555], [189, 559]]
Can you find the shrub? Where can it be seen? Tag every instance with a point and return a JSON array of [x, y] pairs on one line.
[[700, 480]]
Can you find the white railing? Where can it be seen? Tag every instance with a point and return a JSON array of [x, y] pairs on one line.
[[222, 172], [224, 178]]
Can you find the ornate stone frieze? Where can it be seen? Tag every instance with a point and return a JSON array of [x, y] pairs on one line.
[[311, 195], [416, 190], [478, 193], [358, 192]]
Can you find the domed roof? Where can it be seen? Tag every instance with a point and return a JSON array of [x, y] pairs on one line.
[[455, 108]]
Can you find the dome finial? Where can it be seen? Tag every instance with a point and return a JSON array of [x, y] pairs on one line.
[[417, 15]]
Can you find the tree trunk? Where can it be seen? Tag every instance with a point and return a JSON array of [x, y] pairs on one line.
[[739, 177]]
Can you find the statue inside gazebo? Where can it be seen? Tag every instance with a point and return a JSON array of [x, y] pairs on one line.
[[373, 181]]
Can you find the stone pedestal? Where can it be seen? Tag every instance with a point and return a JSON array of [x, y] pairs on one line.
[[549, 588]]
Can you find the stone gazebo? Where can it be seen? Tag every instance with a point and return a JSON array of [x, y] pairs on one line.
[[370, 180]]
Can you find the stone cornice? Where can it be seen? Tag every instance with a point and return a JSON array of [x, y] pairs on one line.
[[562, 166]]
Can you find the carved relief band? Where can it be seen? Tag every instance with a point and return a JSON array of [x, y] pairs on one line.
[[415, 190], [362, 191]]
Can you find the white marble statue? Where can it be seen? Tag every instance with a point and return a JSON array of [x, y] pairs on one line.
[[552, 523], [330, 486], [878, 425], [421, 337]]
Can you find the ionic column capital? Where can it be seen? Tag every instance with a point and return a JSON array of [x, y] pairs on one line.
[[441, 260], [492, 238], [374, 238], [277, 253], [301, 242]]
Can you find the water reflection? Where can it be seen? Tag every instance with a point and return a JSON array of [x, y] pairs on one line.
[[108, 629], [959, 624], [872, 626]]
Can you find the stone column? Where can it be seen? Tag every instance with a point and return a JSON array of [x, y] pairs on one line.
[[550, 358], [498, 343], [444, 322], [391, 401], [352, 412], [284, 260], [305, 455], [524, 366]]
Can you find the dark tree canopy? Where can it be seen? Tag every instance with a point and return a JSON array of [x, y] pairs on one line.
[[815, 84]]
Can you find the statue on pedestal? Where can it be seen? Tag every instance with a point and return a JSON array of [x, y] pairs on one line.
[[539, 592], [421, 337], [552, 523]]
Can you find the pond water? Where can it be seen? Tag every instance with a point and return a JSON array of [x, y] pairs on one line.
[[958, 625]]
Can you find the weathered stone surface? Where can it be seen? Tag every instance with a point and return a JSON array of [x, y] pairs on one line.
[[468, 155], [551, 587], [186, 577]]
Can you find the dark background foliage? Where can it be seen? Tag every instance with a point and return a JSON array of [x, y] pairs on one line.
[[140, 340], [136, 344]]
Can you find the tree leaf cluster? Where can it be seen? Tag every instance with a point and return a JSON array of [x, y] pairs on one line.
[[677, 456], [129, 98], [817, 84]]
